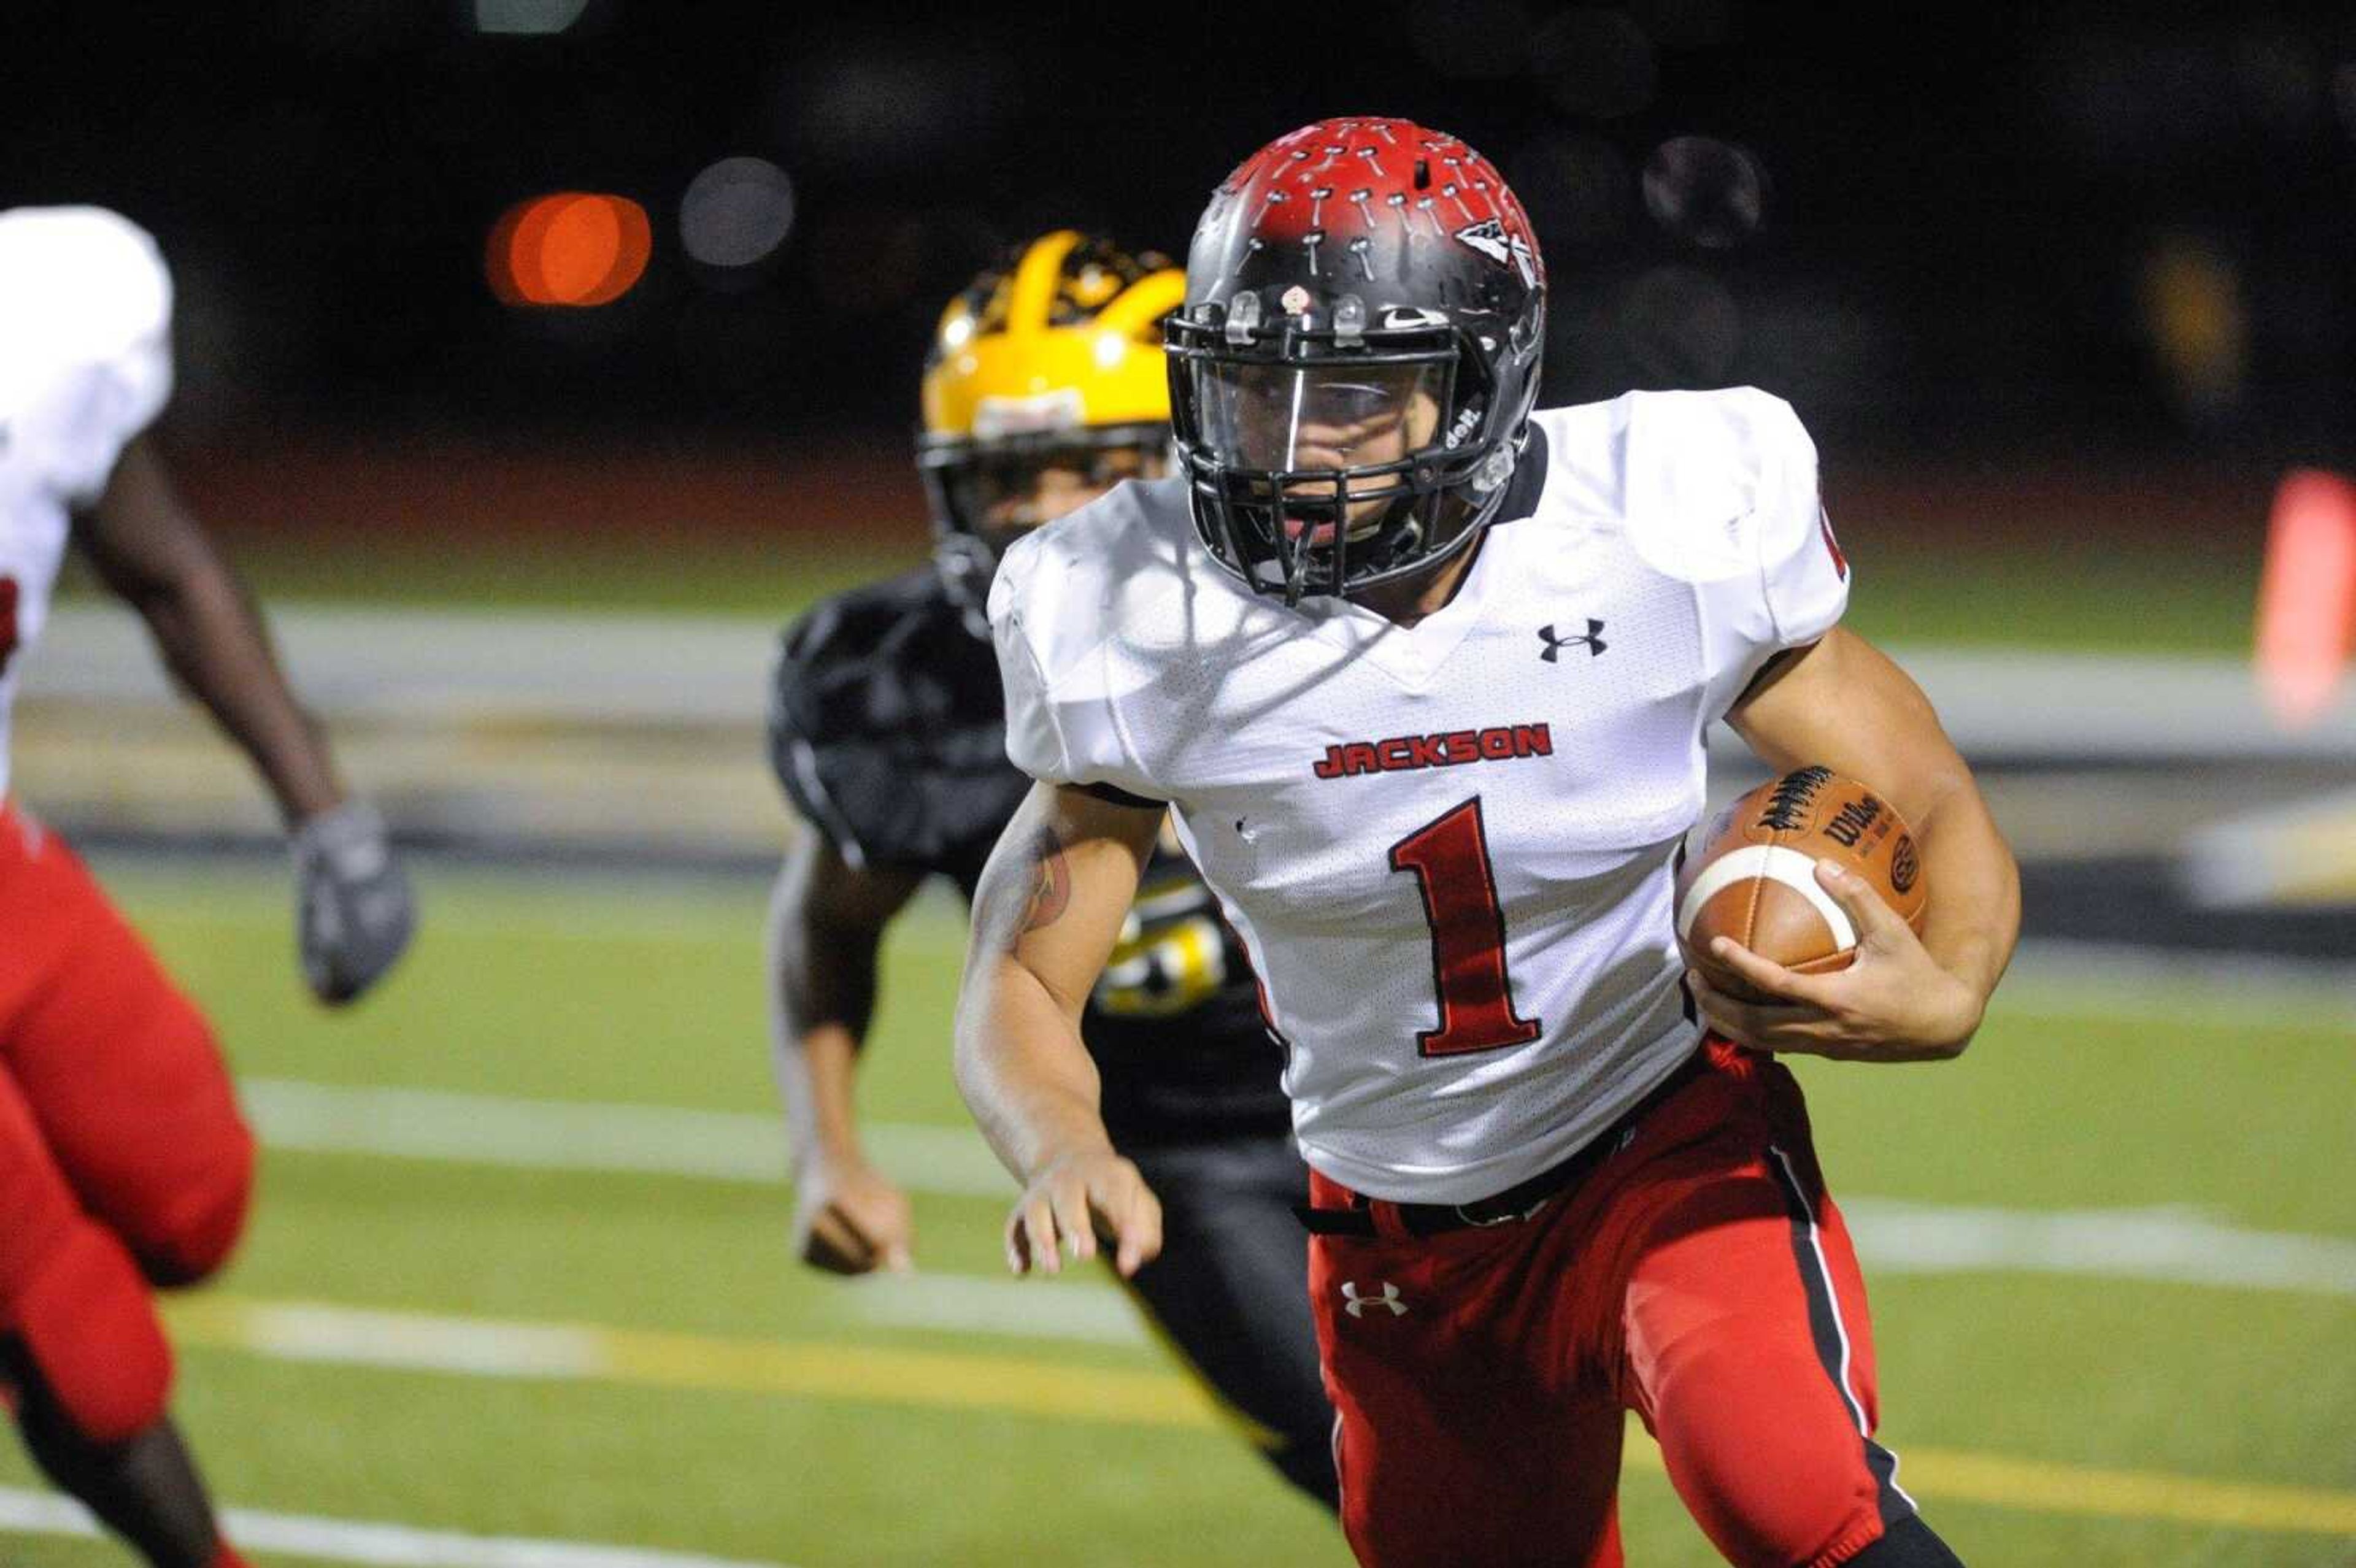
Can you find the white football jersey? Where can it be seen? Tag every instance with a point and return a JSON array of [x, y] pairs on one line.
[[1446, 846], [85, 363]]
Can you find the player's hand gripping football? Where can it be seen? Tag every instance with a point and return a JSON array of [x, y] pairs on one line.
[[850, 1218], [1895, 1003], [1072, 1198], [354, 913]]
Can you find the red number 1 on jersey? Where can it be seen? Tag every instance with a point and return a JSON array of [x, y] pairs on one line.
[[1449, 858], [7, 622]]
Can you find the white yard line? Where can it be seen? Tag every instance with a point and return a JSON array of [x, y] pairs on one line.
[[1074, 1309], [2174, 1244], [456, 664], [420, 1341], [666, 670], [551, 1134], [329, 1334], [2058, 978], [350, 1541], [2170, 1243]]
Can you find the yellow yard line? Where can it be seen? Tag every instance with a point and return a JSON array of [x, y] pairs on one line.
[[811, 1369], [1028, 1386], [2038, 1487], [907, 1377]]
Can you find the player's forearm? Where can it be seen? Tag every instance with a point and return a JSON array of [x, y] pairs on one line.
[[1022, 1069], [1046, 911], [816, 1071], [821, 994], [212, 639], [1972, 916]]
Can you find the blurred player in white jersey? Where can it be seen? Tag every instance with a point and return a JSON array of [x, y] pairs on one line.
[[1424, 677], [125, 1164]]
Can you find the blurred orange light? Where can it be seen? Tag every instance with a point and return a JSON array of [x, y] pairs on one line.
[[572, 247]]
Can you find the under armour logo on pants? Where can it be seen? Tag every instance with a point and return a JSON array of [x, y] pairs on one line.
[[1356, 1305]]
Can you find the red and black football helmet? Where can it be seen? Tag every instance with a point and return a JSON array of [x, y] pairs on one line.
[[1353, 371]]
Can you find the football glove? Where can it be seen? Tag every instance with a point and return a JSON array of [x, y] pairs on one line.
[[353, 912]]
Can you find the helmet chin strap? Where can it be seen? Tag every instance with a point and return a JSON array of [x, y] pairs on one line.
[[1296, 569]]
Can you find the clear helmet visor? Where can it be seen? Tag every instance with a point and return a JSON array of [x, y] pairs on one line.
[[1316, 450], [1293, 418]]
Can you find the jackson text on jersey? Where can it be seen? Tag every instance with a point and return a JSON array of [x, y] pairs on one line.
[[1402, 753]]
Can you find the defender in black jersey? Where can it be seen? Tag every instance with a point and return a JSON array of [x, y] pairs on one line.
[[1045, 388]]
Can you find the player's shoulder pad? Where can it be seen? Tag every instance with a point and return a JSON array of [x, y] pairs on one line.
[[841, 662], [1060, 585], [1698, 479], [81, 285], [887, 726]]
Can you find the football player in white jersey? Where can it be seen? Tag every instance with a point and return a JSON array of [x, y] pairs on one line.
[[125, 1164], [1424, 677]]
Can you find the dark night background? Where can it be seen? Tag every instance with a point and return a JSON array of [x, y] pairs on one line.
[[2035, 230]]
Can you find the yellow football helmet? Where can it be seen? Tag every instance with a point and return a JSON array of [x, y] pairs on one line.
[[1052, 359]]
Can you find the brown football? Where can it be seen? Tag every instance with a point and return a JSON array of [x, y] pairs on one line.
[[1753, 877]]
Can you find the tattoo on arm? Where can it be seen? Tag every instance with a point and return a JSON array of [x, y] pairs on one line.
[[1051, 890]]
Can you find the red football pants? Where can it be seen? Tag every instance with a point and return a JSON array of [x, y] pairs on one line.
[[123, 1161], [1700, 1277]]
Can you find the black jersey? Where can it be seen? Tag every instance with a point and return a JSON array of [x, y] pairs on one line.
[[887, 728]]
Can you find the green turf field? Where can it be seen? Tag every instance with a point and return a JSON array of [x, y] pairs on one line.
[[668, 1379]]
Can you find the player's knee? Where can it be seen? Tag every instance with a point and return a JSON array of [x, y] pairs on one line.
[[86, 1328], [1908, 1544], [202, 1230], [1791, 1517], [196, 1249], [186, 1233], [1816, 1502]]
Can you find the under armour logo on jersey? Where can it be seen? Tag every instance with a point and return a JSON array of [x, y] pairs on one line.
[[1355, 1305], [1592, 641]]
